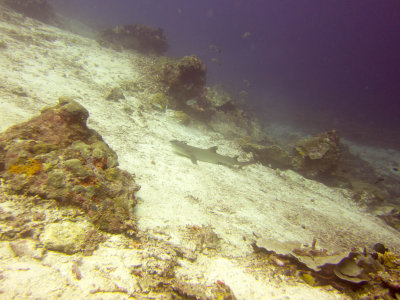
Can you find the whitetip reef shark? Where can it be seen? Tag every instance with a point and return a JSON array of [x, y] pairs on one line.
[[209, 155]]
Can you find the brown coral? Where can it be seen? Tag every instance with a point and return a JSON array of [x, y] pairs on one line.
[[317, 155], [184, 80], [56, 156]]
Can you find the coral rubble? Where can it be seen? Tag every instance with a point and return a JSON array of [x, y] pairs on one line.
[[56, 156]]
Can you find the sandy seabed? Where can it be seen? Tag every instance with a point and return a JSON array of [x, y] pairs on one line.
[[242, 206]]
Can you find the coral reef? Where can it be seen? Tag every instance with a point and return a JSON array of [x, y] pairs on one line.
[[227, 117], [392, 218], [184, 80], [218, 96], [157, 276], [180, 117], [142, 38], [323, 158], [159, 101], [41, 10], [366, 193], [56, 156], [372, 274], [317, 155], [273, 155]]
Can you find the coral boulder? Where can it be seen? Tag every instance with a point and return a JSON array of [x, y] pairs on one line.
[[318, 155], [56, 156]]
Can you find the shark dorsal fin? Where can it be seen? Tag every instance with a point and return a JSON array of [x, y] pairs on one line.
[[213, 149], [193, 159]]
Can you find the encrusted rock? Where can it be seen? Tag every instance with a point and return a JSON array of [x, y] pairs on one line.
[[272, 155], [366, 193], [392, 218], [185, 79], [66, 237], [318, 155], [115, 94], [56, 156], [28, 248]]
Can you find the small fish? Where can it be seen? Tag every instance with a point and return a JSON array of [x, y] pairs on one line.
[[191, 102], [214, 48], [246, 34], [243, 93], [216, 61], [246, 83]]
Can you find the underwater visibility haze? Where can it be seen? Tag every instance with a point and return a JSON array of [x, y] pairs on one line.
[[209, 149], [310, 63]]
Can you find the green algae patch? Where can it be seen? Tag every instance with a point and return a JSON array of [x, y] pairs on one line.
[[55, 179], [76, 167], [42, 148]]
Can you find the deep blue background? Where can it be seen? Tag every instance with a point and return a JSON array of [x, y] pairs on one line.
[[340, 59]]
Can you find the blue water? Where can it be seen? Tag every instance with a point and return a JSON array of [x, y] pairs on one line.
[[318, 63]]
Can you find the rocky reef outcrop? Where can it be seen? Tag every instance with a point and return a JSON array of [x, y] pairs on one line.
[[313, 157], [317, 155], [272, 155], [56, 156], [184, 79], [143, 38], [41, 10], [183, 82]]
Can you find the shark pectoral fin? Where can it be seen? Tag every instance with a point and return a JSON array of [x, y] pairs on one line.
[[193, 159], [236, 157], [213, 149]]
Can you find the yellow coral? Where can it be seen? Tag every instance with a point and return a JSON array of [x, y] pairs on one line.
[[181, 117], [390, 260], [29, 168], [309, 279], [159, 101], [301, 152]]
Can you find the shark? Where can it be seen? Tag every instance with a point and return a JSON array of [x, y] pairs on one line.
[[209, 155]]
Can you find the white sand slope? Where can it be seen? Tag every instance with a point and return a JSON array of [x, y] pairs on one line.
[[42, 63]]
